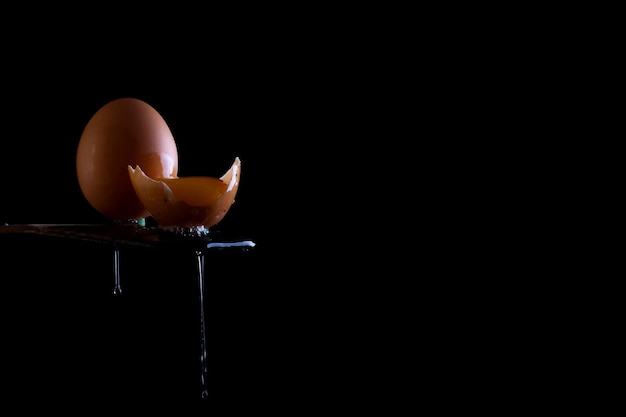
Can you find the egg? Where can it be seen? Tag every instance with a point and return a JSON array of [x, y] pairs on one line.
[[187, 202], [125, 131]]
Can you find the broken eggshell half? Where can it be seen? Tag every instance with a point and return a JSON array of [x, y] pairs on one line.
[[187, 202]]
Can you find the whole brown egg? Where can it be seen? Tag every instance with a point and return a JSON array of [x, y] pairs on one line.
[[125, 131]]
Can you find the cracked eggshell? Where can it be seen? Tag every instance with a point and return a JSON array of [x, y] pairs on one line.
[[187, 201]]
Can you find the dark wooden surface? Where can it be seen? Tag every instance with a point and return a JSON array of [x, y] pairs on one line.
[[129, 235]]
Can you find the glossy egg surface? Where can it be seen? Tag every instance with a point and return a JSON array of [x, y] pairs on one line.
[[125, 131]]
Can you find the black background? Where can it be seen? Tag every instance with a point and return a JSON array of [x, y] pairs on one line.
[[280, 97], [357, 184], [368, 287]]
